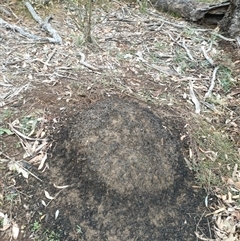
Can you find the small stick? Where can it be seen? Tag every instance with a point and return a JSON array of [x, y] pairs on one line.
[[187, 50], [82, 61], [224, 38], [194, 99], [49, 58], [208, 58], [29, 172], [209, 92]]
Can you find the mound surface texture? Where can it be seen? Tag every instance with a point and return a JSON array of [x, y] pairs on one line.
[[127, 147]]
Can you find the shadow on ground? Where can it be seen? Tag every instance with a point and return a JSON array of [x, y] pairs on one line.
[[128, 177]]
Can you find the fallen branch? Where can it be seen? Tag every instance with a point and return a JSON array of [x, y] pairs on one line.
[[24, 33], [163, 21], [45, 25], [224, 38]]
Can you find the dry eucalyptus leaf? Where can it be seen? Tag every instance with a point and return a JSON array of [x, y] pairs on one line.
[[35, 160], [44, 158], [194, 99], [60, 187], [15, 231], [1, 215], [48, 196], [43, 203], [5, 223], [237, 185], [56, 214], [230, 181]]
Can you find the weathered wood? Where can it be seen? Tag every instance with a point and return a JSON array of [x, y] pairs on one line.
[[230, 24], [45, 25], [194, 11], [24, 32]]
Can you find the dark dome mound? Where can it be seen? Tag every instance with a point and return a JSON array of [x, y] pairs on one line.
[[129, 178], [127, 147]]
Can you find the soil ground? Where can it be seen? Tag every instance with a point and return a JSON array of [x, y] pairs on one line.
[[117, 133]]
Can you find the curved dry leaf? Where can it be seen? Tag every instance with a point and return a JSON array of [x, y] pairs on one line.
[[35, 160], [206, 201], [44, 158], [48, 196], [43, 203], [60, 187], [1, 215], [15, 231], [56, 214], [5, 223]]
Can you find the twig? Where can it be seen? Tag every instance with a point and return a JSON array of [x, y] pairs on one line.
[[187, 50], [194, 99], [165, 21], [82, 61], [55, 196], [208, 58], [20, 165], [45, 24], [224, 38], [140, 57], [158, 26], [171, 37], [16, 91], [49, 58], [202, 238], [209, 92], [210, 106]]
